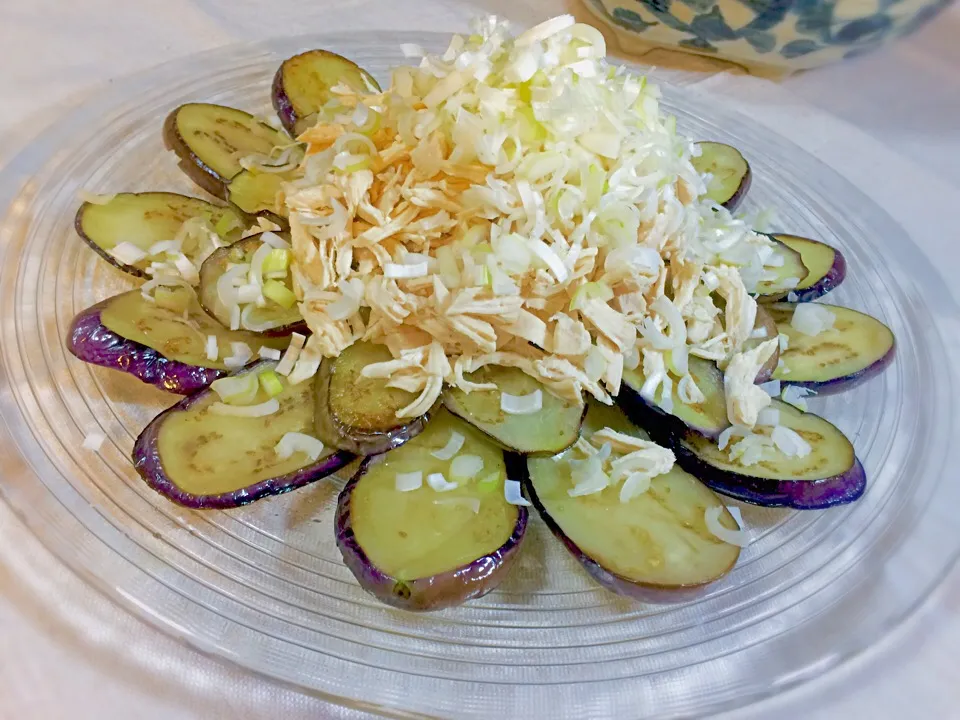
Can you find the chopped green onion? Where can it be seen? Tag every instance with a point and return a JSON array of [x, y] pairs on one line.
[[270, 382], [524, 93], [278, 260], [480, 251], [279, 293], [590, 291], [372, 124], [591, 183], [531, 131], [237, 389], [489, 483]]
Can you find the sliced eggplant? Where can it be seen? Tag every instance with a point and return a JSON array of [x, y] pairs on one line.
[[144, 219], [547, 431], [302, 86], [829, 475], [730, 174], [358, 413], [785, 277], [153, 342], [259, 193], [200, 458], [278, 316], [826, 267], [211, 139], [422, 549], [855, 349], [764, 328], [654, 542], [708, 418]]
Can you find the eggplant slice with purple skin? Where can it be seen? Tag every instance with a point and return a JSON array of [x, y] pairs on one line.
[[143, 219], [729, 170], [422, 549], [656, 546], [708, 418], [301, 87], [153, 342], [205, 460], [857, 348], [547, 431], [827, 267], [211, 139], [358, 413], [829, 475], [273, 318], [787, 276]]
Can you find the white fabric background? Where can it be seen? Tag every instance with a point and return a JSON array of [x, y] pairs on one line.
[[889, 122]]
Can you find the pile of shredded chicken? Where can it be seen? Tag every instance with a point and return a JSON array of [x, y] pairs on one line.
[[480, 211]]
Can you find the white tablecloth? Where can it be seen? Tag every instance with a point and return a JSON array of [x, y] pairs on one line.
[[889, 122]]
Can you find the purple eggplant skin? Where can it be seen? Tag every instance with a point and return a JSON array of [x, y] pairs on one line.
[[661, 424], [205, 177], [428, 593], [733, 202], [827, 281], [358, 440], [725, 154], [147, 461], [517, 470], [78, 226], [91, 341], [782, 312], [283, 102], [847, 382], [840, 489]]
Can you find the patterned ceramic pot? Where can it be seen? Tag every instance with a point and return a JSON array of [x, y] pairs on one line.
[[763, 36]]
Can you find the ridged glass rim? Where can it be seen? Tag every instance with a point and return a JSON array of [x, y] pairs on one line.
[[48, 514]]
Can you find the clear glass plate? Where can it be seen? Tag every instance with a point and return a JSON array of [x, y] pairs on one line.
[[264, 585]]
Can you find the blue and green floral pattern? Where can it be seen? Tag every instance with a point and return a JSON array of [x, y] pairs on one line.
[[783, 30]]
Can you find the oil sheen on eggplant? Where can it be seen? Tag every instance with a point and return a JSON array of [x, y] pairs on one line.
[[143, 219], [155, 343], [358, 413], [202, 459], [657, 540], [423, 549], [147, 323], [546, 432]]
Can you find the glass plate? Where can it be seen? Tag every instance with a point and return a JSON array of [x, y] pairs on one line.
[[264, 585]]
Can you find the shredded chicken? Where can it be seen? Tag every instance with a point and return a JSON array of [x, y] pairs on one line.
[[612, 458], [745, 399], [471, 238]]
